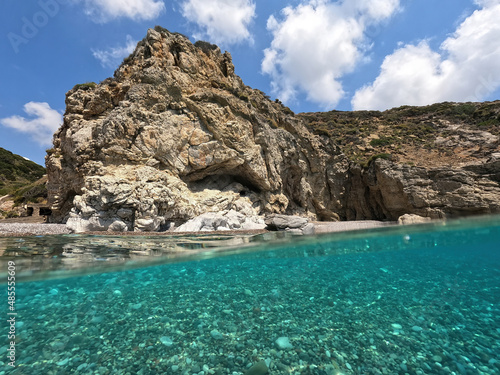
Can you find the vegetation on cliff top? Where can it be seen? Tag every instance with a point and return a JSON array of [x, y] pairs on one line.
[[406, 131]]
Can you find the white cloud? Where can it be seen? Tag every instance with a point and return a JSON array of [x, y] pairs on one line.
[[105, 10], [464, 69], [222, 21], [316, 43], [41, 128], [113, 56]]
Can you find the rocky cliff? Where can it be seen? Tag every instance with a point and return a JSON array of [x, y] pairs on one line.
[[437, 161], [176, 134]]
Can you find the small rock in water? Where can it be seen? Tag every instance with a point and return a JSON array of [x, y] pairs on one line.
[[97, 319], [259, 368], [397, 326], [54, 292], [64, 362], [284, 343], [216, 334], [81, 367], [417, 328], [166, 341]]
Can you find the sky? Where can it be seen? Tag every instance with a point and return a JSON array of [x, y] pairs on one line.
[[313, 55]]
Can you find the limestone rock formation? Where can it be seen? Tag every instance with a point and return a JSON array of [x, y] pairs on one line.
[[176, 134], [388, 190]]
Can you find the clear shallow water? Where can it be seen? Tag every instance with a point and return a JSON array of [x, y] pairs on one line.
[[412, 300]]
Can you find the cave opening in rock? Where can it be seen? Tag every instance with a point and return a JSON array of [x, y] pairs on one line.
[[224, 182]]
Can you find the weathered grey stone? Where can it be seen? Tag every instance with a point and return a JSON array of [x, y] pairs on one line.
[[259, 368], [117, 226], [387, 190], [283, 222], [412, 219], [292, 224], [229, 220]]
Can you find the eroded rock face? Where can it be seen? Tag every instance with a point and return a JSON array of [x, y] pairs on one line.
[[388, 190], [176, 134]]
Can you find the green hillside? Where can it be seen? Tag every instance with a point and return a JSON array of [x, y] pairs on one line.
[[16, 172]]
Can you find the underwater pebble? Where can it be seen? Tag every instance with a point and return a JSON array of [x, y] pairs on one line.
[[64, 362], [397, 326], [283, 343], [417, 329], [166, 341], [216, 334], [81, 367], [54, 292], [259, 368], [97, 319]]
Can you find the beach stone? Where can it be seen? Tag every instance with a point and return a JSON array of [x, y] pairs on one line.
[[259, 368], [167, 341], [437, 358], [283, 222], [118, 226], [412, 219], [289, 223], [216, 335], [64, 362], [219, 221], [283, 343]]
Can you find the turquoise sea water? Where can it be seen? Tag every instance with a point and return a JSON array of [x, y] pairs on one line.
[[398, 300]]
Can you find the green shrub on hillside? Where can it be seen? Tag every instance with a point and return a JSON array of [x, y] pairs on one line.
[[85, 86], [16, 172]]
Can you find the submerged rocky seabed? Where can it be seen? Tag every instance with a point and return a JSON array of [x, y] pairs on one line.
[[430, 310]]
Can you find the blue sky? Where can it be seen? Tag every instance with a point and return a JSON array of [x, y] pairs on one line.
[[314, 55]]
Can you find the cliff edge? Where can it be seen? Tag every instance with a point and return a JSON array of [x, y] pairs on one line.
[[176, 134]]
